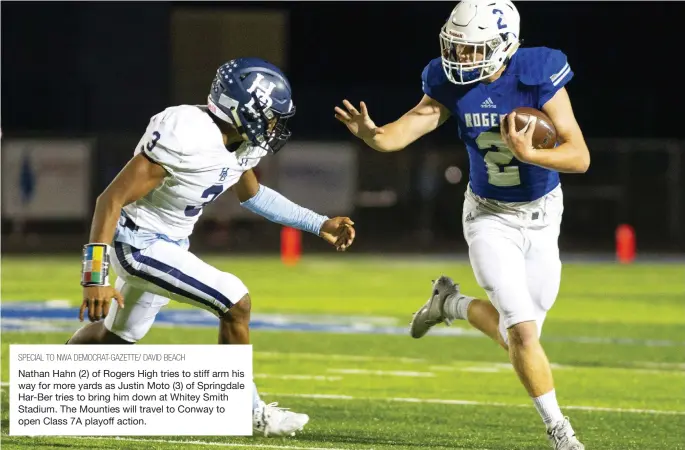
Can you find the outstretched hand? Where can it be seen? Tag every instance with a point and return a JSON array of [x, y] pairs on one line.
[[339, 232], [359, 123]]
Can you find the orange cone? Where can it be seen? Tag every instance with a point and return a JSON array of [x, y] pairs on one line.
[[625, 244], [291, 245]]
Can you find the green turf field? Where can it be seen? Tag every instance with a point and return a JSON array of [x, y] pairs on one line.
[[616, 337]]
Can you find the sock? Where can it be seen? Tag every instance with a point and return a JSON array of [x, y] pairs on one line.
[[456, 306], [548, 408], [255, 396]]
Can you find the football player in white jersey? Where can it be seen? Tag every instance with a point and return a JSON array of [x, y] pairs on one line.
[[514, 202], [189, 155]]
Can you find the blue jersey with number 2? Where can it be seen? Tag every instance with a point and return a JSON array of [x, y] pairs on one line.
[[532, 77]]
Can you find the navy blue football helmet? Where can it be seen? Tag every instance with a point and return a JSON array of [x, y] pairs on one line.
[[255, 97]]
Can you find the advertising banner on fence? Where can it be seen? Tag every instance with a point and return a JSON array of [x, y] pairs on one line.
[[319, 175], [46, 178]]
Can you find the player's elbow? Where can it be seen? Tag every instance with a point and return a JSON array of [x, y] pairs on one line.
[[583, 163], [389, 148], [578, 157], [387, 142], [383, 147], [108, 201]]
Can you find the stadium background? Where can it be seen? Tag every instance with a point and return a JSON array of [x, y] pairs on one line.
[[80, 81], [97, 71]]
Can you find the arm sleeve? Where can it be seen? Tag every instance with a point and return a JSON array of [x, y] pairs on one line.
[[275, 207]]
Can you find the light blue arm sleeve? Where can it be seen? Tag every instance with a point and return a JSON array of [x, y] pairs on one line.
[[275, 207]]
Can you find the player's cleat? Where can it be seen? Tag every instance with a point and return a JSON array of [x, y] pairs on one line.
[[273, 421], [562, 437], [432, 313]]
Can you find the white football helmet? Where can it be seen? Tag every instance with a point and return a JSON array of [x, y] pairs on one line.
[[478, 38]]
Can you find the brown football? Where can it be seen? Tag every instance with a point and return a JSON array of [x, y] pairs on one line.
[[544, 136]]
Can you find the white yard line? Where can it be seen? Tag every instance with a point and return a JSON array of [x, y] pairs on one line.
[[507, 368], [212, 444], [327, 357], [476, 403], [392, 373], [199, 443], [476, 366], [297, 377]]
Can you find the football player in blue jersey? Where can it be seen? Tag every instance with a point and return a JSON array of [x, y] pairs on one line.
[[513, 206]]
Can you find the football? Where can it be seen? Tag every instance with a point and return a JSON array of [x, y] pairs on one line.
[[544, 136]]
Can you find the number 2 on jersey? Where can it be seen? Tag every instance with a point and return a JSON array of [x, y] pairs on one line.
[[497, 159], [211, 193]]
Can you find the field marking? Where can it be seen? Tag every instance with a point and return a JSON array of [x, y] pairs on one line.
[[478, 366], [392, 373], [659, 365], [207, 443], [327, 356], [485, 367], [297, 377], [52, 316], [199, 443], [476, 403]]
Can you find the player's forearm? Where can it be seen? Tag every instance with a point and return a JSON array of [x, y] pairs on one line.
[[275, 207], [393, 139], [105, 218], [565, 158]]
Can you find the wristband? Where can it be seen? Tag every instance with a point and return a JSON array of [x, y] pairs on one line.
[[95, 265]]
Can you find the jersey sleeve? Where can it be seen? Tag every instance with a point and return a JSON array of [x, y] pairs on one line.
[[435, 83], [556, 72], [161, 145]]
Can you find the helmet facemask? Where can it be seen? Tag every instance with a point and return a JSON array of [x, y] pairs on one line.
[[262, 126], [276, 132], [483, 58]]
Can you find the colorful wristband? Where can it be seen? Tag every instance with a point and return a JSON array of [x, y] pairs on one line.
[[95, 267]]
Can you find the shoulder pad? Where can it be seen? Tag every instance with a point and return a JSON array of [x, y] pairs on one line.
[[436, 85], [433, 75], [541, 65]]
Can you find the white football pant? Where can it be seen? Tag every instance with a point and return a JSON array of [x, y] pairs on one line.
[[514, 253], [148, 278]]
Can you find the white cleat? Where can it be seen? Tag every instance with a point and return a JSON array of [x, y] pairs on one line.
[[562, 437], [431, 313], [273, 421]]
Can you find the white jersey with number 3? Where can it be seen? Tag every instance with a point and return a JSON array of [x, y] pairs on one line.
[[189, 145]]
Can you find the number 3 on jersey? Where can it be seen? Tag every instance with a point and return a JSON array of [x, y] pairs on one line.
[[211, 193], [497, 160]]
